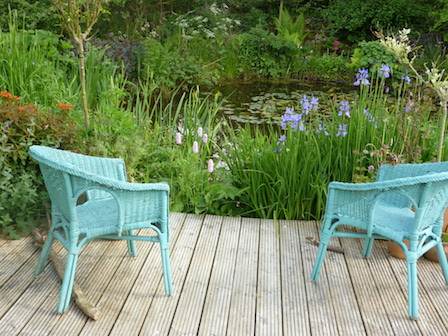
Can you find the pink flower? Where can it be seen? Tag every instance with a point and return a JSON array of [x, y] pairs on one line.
[[210, 166], [336, 45], [199, 131], [178, 138], [205, 138], [195, 147]]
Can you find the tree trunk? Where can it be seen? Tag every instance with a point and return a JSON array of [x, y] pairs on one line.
[[82, 77]]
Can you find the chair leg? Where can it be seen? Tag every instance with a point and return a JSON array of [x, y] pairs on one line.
[[367, 249], [132, 249], [67, 283], [412, 290], [442, 261], [324, 240], [167, 278], [44, 254]]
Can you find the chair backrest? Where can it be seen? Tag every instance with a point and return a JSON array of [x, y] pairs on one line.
[[434, 205], [57, 165], [390, 172]]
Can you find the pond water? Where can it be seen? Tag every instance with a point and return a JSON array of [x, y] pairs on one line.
[[260, 102]]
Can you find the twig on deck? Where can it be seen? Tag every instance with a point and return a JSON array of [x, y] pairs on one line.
[[84, 305], [332, 248]]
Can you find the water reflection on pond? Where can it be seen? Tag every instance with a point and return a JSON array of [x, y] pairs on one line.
[[261, 102]]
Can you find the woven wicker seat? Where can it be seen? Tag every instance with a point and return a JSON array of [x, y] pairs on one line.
[[114, 209], [406, 202]]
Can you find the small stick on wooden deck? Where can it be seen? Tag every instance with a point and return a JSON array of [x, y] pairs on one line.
[[86, 307], [332, 248]]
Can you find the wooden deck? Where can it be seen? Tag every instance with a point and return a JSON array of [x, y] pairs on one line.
[[232, 276]]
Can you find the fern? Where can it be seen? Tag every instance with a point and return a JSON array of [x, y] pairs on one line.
[[290, 28]]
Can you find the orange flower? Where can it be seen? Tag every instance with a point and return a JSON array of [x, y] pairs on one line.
[[5, 94], [64, 107]]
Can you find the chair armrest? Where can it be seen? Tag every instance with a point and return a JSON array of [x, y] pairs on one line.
[[138, 203]]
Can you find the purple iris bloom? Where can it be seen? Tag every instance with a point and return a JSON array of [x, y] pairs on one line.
[[406, 79], [344, 108], [361, 77], [408, 106], [342, 130], [322, 128], [314, 103], [385, 71]]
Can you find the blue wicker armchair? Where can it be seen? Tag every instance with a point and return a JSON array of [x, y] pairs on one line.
[[406, 202], [114, 209]]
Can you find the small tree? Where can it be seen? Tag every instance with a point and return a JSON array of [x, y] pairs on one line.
[[78, 18]]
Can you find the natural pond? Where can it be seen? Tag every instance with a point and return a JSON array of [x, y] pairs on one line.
[[261, 102]]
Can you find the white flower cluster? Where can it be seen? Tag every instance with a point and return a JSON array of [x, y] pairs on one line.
[[399, 46], [439, 81], [193, 25]]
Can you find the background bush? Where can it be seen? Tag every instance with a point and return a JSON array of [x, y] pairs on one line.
[[22, 194]]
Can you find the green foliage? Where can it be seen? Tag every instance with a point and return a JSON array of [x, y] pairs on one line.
[[328, 67], [290, 29], [21, 188], [167, 66], [284, 172], [370, 54], [35, 14], [354, 19], [43, 60], [266, 55]]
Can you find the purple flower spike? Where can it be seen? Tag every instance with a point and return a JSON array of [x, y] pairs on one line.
[[210, 166], [195, 147], [178, 138]]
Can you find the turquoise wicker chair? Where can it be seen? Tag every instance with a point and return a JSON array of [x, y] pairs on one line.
[[406, 202], [113, 209]]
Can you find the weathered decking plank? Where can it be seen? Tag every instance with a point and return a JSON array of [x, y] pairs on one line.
[[296, 320], [93, 286], [45, 318], [161, 313], [147, 286], [192, 298], [430, 322], [13, 256], [244, 293], [217, 304], [370, 306], [231, 276], [390, 293], [319, 298], [349, 321], [269, 302]]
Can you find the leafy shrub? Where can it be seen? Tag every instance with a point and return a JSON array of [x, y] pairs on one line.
[[168, 66], [34, 14], [21, 189], [353, 19], [264, 54], [328, 67], [370, 54]]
